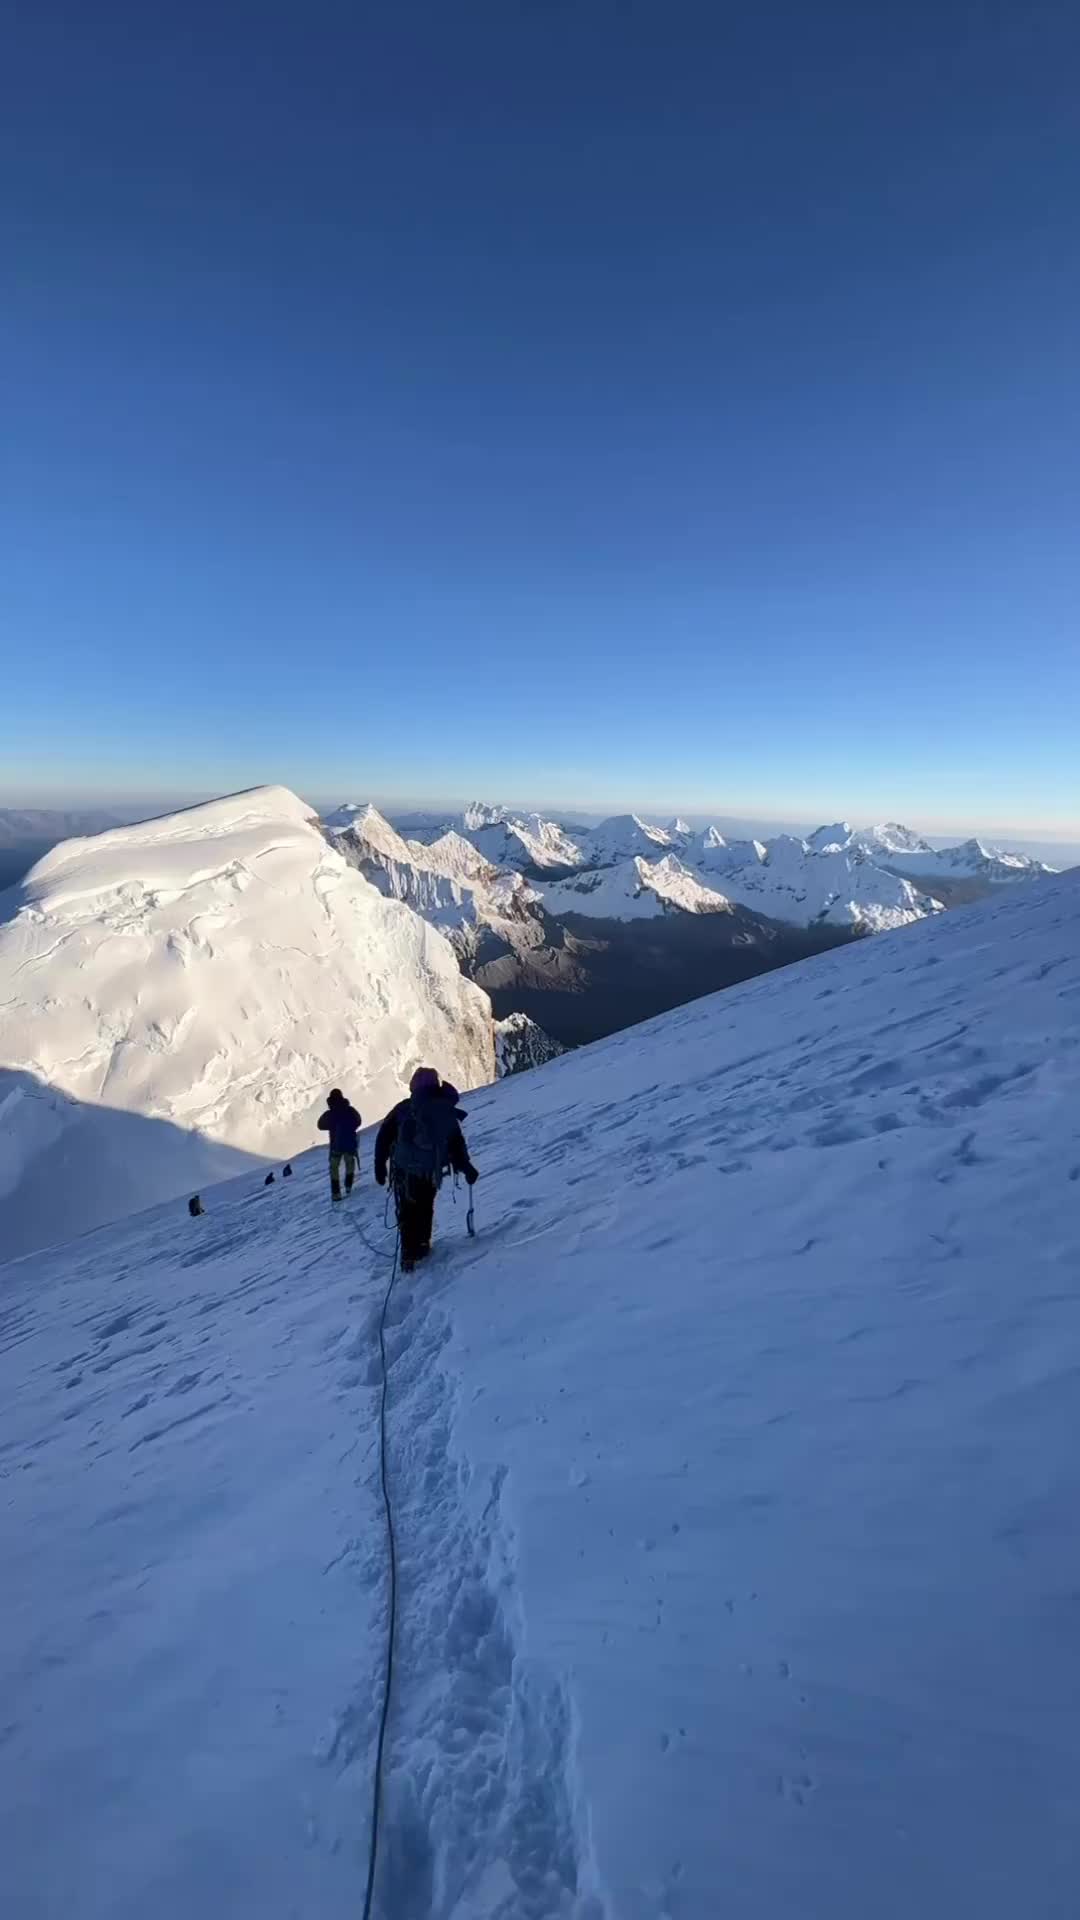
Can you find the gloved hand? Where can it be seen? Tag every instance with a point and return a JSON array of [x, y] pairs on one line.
[[380, 1176], [471, 1176]]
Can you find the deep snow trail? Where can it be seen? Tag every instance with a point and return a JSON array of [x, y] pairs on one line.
[[194, 1615]]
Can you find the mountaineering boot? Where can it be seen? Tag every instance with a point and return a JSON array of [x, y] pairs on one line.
[[335, 1193]]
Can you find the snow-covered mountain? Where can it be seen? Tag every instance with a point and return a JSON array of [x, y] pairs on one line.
[[446, 881], [888, 839], [211, 973], [521, 1044], [898, 847], [626, 837], [733, 1469], [827, 839], [794, 880], [781, 879], [902, 850], [635, 889], [523, 840]]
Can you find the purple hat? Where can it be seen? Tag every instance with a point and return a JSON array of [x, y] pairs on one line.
[[424, 1080]]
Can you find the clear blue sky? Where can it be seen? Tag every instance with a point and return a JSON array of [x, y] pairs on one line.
[[575, 401]]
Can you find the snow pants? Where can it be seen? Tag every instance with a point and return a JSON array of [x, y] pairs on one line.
[[335, 1172], [415, 1197]]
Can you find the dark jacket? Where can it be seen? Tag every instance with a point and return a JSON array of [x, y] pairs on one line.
[[456, 1151], [342, 1123]]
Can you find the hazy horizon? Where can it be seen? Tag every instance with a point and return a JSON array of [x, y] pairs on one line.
[[735, 820]]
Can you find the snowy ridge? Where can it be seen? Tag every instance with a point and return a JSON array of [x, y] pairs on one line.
[[870, 880], [734, 1463], [625, 837], [520, 1044], [519, 840], [636, 889], [446, 881], [787, 879], [898, 847], [213, 971], [781, 880]]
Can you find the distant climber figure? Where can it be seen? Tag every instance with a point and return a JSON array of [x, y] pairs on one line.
[[286, 1172], [195, 1206], [342, 1123], [269, 1181], [417, 1141]]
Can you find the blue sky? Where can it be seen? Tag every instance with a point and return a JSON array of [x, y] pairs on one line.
[[584, 404]]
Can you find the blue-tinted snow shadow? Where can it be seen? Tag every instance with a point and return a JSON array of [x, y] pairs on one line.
[[66, 1167]]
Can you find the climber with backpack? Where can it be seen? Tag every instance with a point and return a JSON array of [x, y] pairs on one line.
[[342, 1122], [419, 1139]]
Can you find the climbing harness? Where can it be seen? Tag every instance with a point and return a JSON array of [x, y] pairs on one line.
[[391, 1629]]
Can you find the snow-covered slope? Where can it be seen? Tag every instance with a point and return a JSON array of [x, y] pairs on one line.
[[886, 840], [794, 880], [453, 855], [521, 1044], [734, 1471], [214, 971], [523, 840], [626, 837], [898, 847], [636, 889], [447, 881], [825, 839]]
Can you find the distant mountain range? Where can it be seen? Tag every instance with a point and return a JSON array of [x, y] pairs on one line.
[[588, 929], [628, 868]]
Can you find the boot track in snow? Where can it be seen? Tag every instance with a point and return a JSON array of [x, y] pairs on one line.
[[476, 1804]]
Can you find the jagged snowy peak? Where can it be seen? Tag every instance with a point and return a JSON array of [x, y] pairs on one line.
[[521, 1044], [455, 856], [891, 838], [788, 879], [991, 865], [480, 814], [370, 828], [624, 837], [898, 847], [447, 881], [782, 879], [347, 815], [636, 889], [713, 854], [827, 839], [679, 830], [733, 1472], [839, 887], [525, 840], [216, 971]]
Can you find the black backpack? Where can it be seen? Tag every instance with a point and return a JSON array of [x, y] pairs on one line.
[[423, 1137]]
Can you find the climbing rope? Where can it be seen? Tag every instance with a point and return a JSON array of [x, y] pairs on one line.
[[391, 1632]]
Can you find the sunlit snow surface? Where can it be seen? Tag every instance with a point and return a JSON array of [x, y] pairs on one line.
[[735, 1465], [213, 972]]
